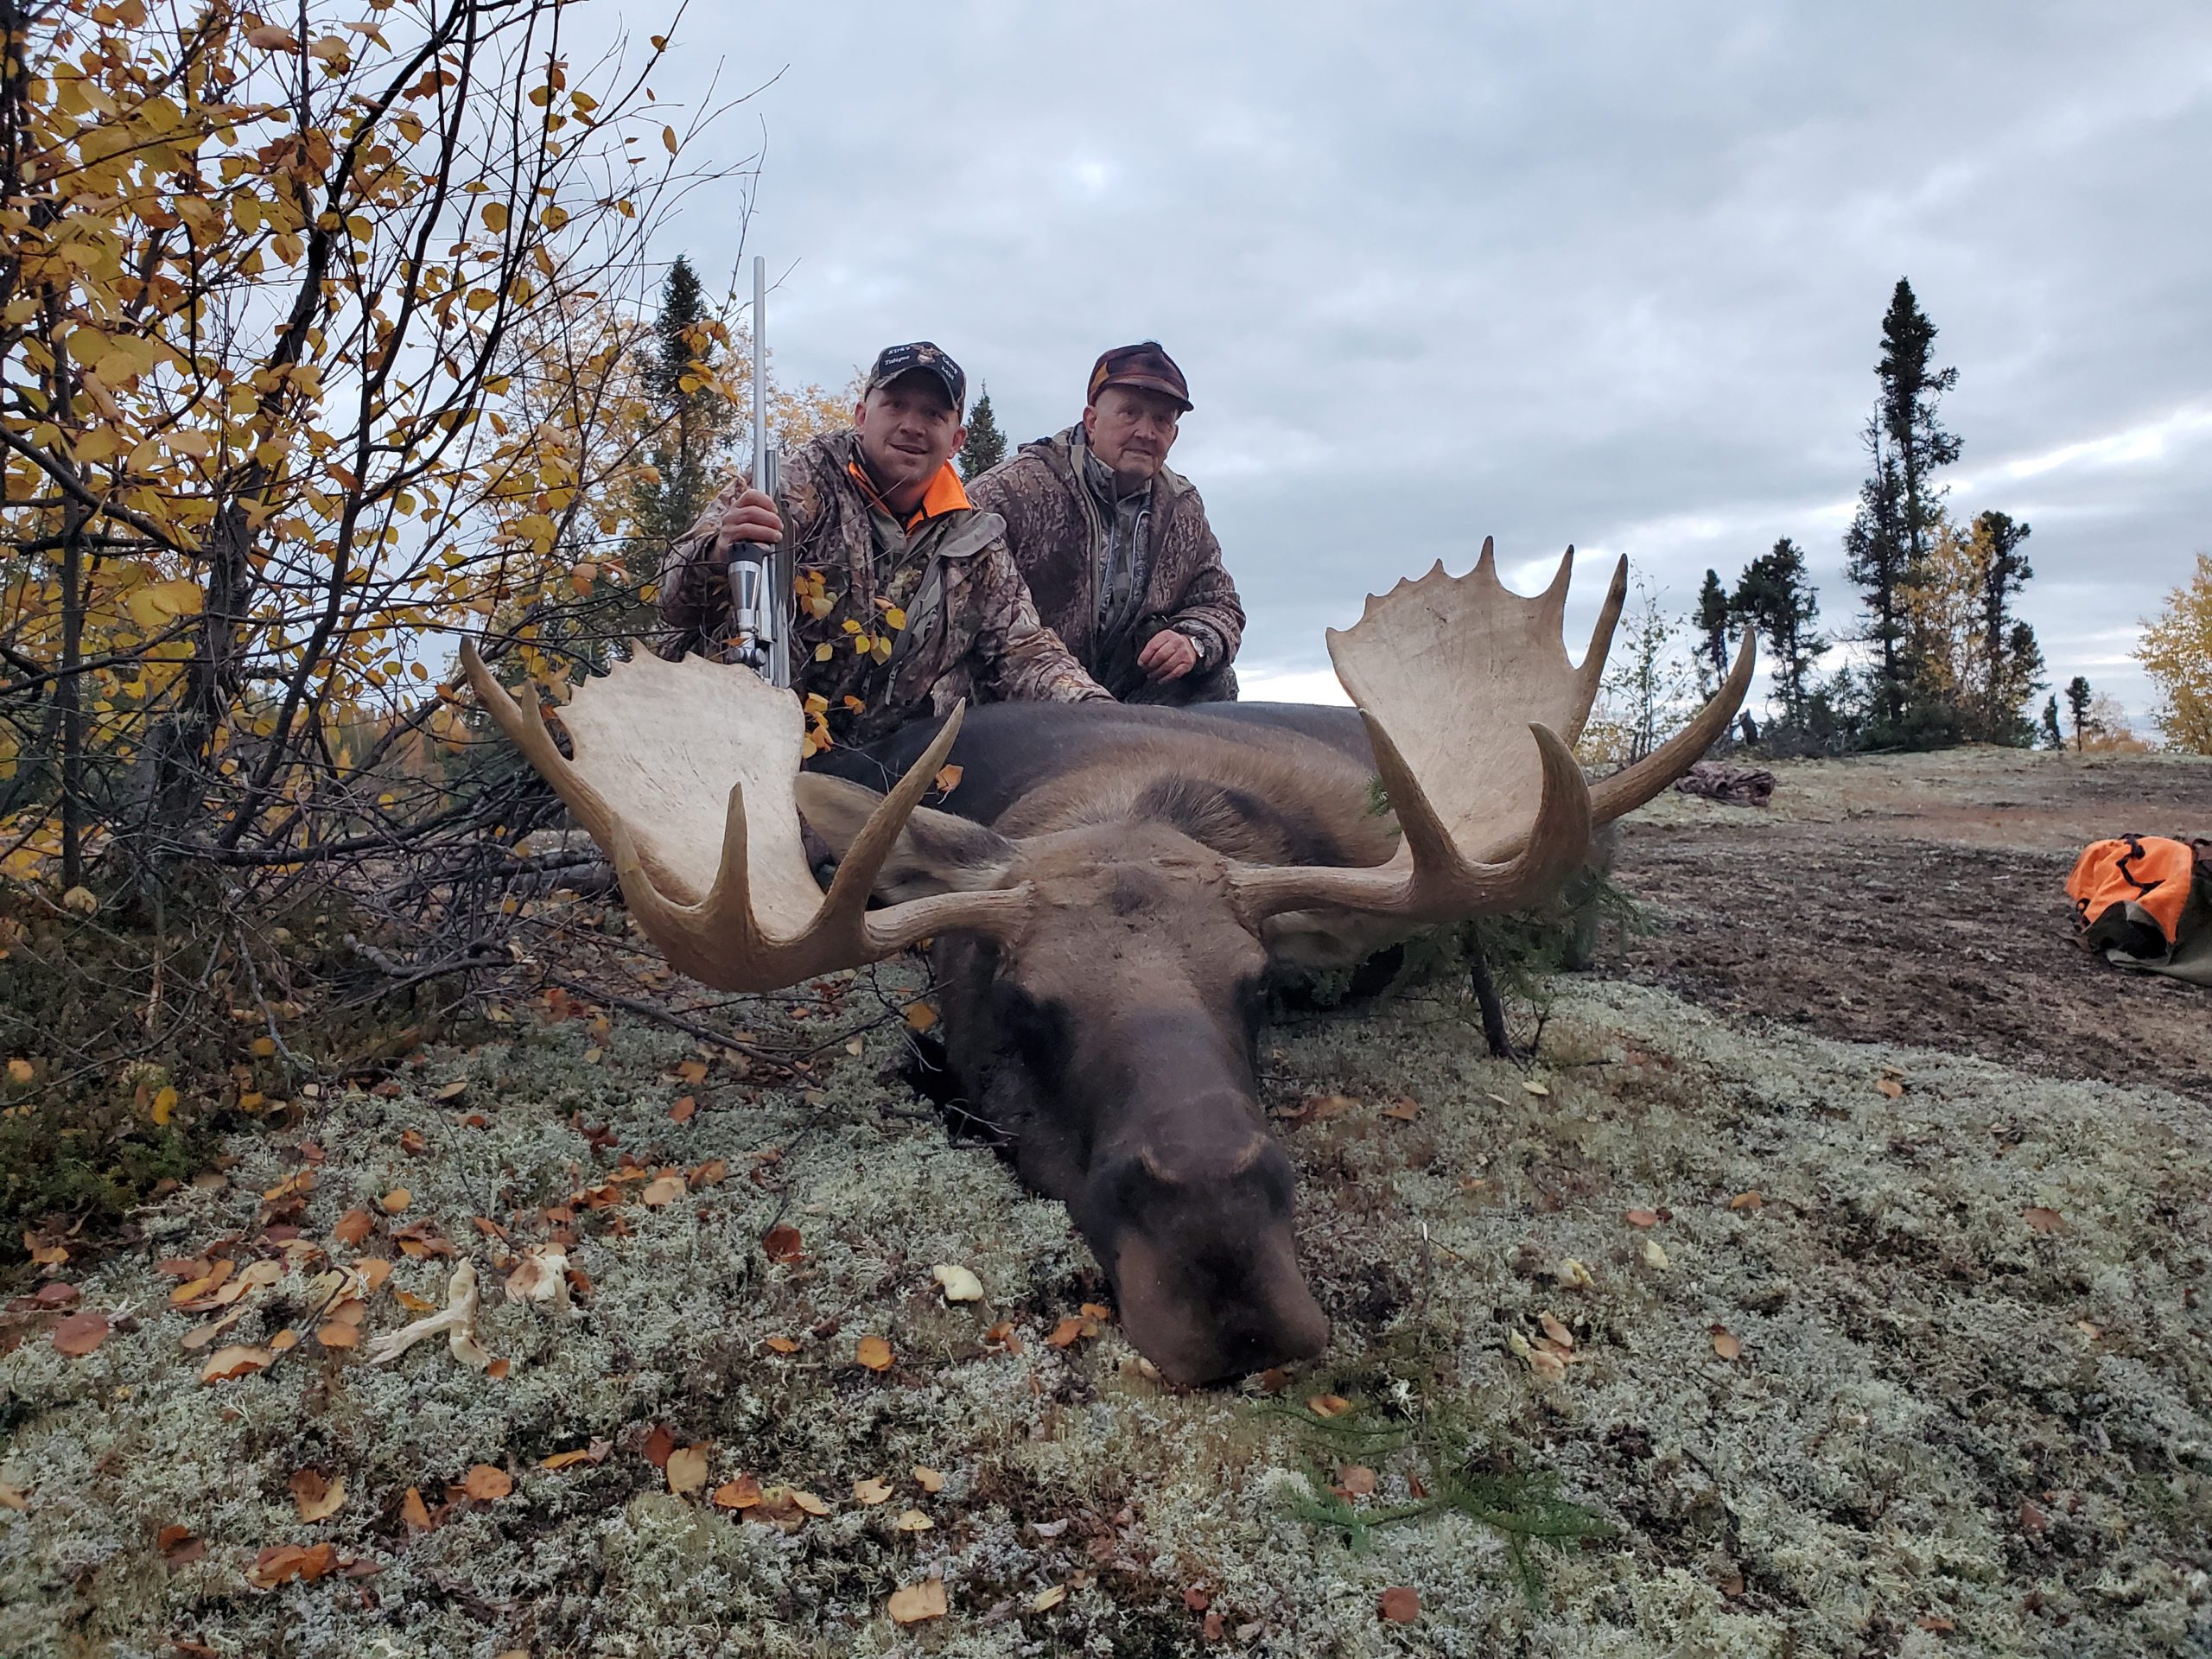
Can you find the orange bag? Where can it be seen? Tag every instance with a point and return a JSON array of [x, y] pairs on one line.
[[2143, 901]]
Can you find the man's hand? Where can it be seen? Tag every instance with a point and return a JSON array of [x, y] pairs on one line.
[[1168, 656], [751, 518]]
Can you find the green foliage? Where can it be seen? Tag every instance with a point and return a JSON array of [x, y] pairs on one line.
[[1459, 1471], [692, 419], [985, 445], [2078, 697], [1775, 598]]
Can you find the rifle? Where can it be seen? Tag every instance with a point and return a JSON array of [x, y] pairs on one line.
[[759, 574]]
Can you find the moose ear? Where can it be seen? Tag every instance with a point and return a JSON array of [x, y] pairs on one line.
[[935, 852]]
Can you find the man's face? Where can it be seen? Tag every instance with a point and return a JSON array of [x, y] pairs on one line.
[[1132, 431], [908, 430]]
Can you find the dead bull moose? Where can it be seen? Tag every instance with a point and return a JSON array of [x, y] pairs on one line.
[[1105, 911]]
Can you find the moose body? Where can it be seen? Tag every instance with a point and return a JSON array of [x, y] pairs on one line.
[[1109, 887]]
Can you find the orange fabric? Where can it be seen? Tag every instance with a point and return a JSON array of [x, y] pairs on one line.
[[2148, 871], [945, 494]]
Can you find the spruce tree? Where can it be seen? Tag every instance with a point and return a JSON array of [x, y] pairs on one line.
[[985, 445], [1901, 511], [2052, 737], [1711, 622], [1775, 597], [692, 421], [2078, 696], [2011, 659]]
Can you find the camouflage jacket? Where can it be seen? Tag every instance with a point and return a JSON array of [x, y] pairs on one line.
[[895, 622], [1059, 534]]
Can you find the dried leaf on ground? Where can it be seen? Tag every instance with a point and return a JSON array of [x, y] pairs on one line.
[[870, 1491], [352, 1227], [661, 1445], [338, 1334], [687, 1469], [396, 1200], [1405, 1109], [1357, 1480], [486, 1484], [1655, 1256], [912, 1604], [1745, 1201], [2042, 1220], [1328, 1405], [180, 1546], [874, 1353], [810, 1502], [542, 1276], [318, 1496], [663, 1190], [80, 1333], [959, 1284], [1726, 1343], [1641, 1218], [683, 1111], [282, 1562], [1891, 1087], [782, 1243], [928, 1478], [1399, 1604], [12, 1499], [1047, 1599], [913, 1521], [453, 1090], [413, 1511], [783, 1345], [239, 1361], [743, 1493]]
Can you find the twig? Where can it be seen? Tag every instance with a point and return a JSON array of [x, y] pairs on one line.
[[668, 1017]]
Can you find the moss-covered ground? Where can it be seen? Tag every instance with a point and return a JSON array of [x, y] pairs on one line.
[[1942, 1386]]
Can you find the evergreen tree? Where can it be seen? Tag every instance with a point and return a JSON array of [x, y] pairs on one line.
[[693, 421], [2052, 737], [1775, 598], [2078, 697], [2011, 659], [1901, 511], [985, 445], [1712, 621]]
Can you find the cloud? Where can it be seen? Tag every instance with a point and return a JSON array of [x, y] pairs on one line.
[[1568, 273]]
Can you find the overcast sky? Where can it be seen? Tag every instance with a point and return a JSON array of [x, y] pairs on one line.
[[1607, 275]]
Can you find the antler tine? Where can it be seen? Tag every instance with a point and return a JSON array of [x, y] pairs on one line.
[[1601, 637]]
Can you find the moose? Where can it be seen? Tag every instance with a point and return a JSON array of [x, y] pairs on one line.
[[1108, 887]]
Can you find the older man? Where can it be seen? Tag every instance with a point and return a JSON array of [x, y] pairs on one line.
[[1115, 548], [908, 598]]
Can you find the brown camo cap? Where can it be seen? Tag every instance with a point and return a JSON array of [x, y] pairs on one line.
[[1145, 365]]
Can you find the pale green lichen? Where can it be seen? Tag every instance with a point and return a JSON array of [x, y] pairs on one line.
[[1919, 1362]]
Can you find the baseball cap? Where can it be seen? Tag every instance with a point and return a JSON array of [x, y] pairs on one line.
[[1145, 366], [920, 356]]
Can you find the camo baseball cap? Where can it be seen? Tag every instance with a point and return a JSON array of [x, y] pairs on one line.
[[1144, 365], [921, 357]]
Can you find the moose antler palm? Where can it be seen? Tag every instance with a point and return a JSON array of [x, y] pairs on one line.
[[1470, 705]]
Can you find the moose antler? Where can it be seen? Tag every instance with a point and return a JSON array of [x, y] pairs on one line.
[[1449, 672], [683, 774]]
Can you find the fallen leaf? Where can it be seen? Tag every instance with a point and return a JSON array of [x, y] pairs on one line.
[[1558, 1332], [913, 1521], [782, 1243], [595, 1453], [282, 1562], [1405, 1111], [2042, 1220], [54, 1294], [928, 1478], [1328, 1405], [1097, 1310], [660, 1444], [874, 1353], [412, 1143], [12, 1499], [1400, 1606], [396, 1200], [1641, 1218], [2033, 1518], [352, 1227], [1939, 1624], [412, 1303], [1891, 1087], [1067, 1332], [743, 1493], [810, 1502], [238, 1361], [1654, 1256], [713, 1172], [338, 1334], [920, 1016], [80, 1333], [783, 1345], [180, 1546], [947, 779], [1745, 1201], [870, 1491], [413, 1511], [960, 1285], [319, 1497], [1047, 1599], [485, 1483], [283, 1339], [1541, 1093], [1726, 1343], [1547, 1363], [1357, 1480], [692, 1070], [683, 1111], [1196, 1599], [912, 1604], [666, 1190], [453, 1090], [1573, 1275], [542, 1276], [687, 1469], [208, 1282]]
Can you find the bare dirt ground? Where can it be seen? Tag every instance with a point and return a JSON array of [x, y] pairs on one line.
[[1744, 1321], [1921, 900]]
